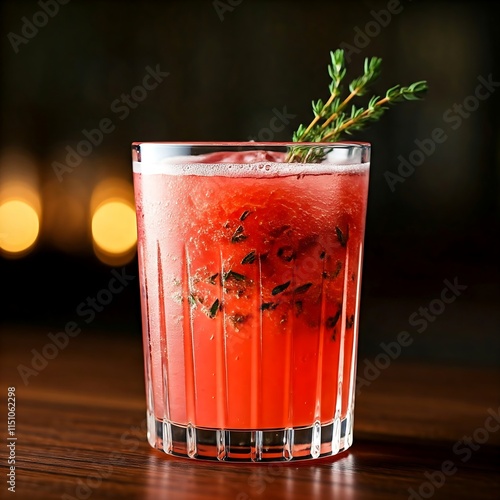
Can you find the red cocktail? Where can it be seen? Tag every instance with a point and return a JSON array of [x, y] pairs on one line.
[[250, 274]]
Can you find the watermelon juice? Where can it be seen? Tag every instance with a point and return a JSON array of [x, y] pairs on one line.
[[250, 273]]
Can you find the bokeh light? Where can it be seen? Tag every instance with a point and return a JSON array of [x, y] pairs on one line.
[[19, 226], [114, 226], [20, 207], [113, 221]]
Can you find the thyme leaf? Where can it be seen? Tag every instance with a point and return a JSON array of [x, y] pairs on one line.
[[341, 236], [280, 288], [250, 258], [331, 321], [302, 288], [233, 275], [333, 118], [214, 308], [268, 306], [238, 235], [212, 279]]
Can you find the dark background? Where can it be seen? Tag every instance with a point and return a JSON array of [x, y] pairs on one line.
[[226, 76]]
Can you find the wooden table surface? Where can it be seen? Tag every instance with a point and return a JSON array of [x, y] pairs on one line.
[[80, 429]]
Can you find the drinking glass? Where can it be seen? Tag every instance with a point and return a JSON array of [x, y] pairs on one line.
[[250, 259]]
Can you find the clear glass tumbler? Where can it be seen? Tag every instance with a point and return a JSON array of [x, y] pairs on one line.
[[250, 258]]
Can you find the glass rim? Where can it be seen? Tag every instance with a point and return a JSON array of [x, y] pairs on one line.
[[183, 153], [254, 143]]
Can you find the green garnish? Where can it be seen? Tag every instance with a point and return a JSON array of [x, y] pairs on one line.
[[233, 275], [332, 320], [338, 268], [244, 215], [268, 306], [333, 119], [249, 258], [302, 288], [280, 288], [212, 278], [342, 237], [238, 235], [214, 309], [336, 272]]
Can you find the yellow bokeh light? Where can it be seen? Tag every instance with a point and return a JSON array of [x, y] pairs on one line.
[[114, 226], [19, 226]]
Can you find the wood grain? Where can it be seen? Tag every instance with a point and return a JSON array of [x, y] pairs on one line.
[[81, 433]]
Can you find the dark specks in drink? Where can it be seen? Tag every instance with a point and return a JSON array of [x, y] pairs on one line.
[[212, 279], [286, 253], [338, 268], [302, 288], [244, 215], [342, 236], [269, 306], [349, 322], [332, 275], [237, 320], [299, 307], [233, 275], [249, 258], [238, 235], [278, 231], [280, 288], [331, 321], [214, 309]]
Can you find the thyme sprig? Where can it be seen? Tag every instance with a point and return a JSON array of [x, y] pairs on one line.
[[333, 118]]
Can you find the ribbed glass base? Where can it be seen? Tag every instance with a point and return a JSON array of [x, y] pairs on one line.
[[270, 445]]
